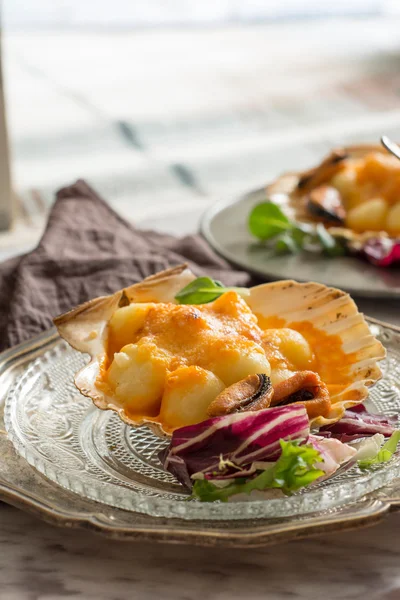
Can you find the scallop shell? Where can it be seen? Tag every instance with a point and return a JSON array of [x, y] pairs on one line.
[[334, 312], [284, 191], [330, 310]]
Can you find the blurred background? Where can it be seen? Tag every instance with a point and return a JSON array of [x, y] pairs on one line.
[[166, 106]]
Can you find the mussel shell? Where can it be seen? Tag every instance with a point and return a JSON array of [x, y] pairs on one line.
[[325, 203]]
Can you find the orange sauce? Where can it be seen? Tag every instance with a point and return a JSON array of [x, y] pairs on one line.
[[104, 364], [113, 345], [205, 335], [194, 335], [270, 322], [184, 335], [331, 362]]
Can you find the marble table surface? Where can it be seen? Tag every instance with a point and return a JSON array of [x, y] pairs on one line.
[[41, 562]]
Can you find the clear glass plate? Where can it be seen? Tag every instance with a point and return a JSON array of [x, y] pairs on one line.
[[94, 454]]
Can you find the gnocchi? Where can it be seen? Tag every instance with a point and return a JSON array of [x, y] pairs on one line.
[[370, 190], [289, 346], [393, 219], [187, 395], [167, 356], [181, 357], [125, 323], [137, 375], [280, 374], [368, 216], [346, 183], [234, 364]]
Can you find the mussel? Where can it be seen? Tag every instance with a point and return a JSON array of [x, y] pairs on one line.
[[325, 202], [323, 172], [305, 387], [252, 393], [255, 392]]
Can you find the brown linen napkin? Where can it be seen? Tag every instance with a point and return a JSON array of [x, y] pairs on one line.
[[88, 250]]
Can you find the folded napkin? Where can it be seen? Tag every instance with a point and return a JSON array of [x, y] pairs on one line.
[[88, 250]]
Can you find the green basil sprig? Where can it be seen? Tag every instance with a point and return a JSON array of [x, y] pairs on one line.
[[204, 289], [267, 222]]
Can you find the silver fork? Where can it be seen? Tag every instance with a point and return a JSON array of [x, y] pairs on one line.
[[391, 146]]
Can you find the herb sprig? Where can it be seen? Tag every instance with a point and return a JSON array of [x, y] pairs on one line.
[[268, 223], [204, 289]]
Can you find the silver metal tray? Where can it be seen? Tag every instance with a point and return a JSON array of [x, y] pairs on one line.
[[24, 487]]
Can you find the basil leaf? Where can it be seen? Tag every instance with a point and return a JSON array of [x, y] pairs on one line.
[[294, 469], [203, 290], [384, 454], [267, 220]]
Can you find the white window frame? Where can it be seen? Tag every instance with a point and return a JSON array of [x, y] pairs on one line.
[[6, 201]]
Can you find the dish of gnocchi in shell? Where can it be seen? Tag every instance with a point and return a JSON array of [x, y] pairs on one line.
[[259, 390], [348, 204], [173, 351], [357, 188]]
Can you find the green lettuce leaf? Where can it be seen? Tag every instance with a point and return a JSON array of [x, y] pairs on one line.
[[294, 469], [203, 290], [330, 245], [384, 454]]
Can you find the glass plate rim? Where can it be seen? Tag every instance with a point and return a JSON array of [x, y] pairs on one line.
[[162, 507]]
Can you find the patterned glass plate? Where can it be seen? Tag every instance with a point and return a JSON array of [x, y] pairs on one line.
[[94, 454]]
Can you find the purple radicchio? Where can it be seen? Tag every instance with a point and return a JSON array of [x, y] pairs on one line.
[[382, 251], [241, 439], [333, 452], [358, 422]]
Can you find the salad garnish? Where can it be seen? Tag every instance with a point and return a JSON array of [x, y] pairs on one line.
[[294, 469], [358, 422], [272, 448], [384, 454], [243, 438], [282, 235], [382, 252], [268, 223], [267, 220], [242, 452]]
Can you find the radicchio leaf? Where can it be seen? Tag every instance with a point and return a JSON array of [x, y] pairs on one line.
[[294, 469], [333, 452], [242, 438], [358, 422]]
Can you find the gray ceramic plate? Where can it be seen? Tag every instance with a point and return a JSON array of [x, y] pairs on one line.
[[224, 226]]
